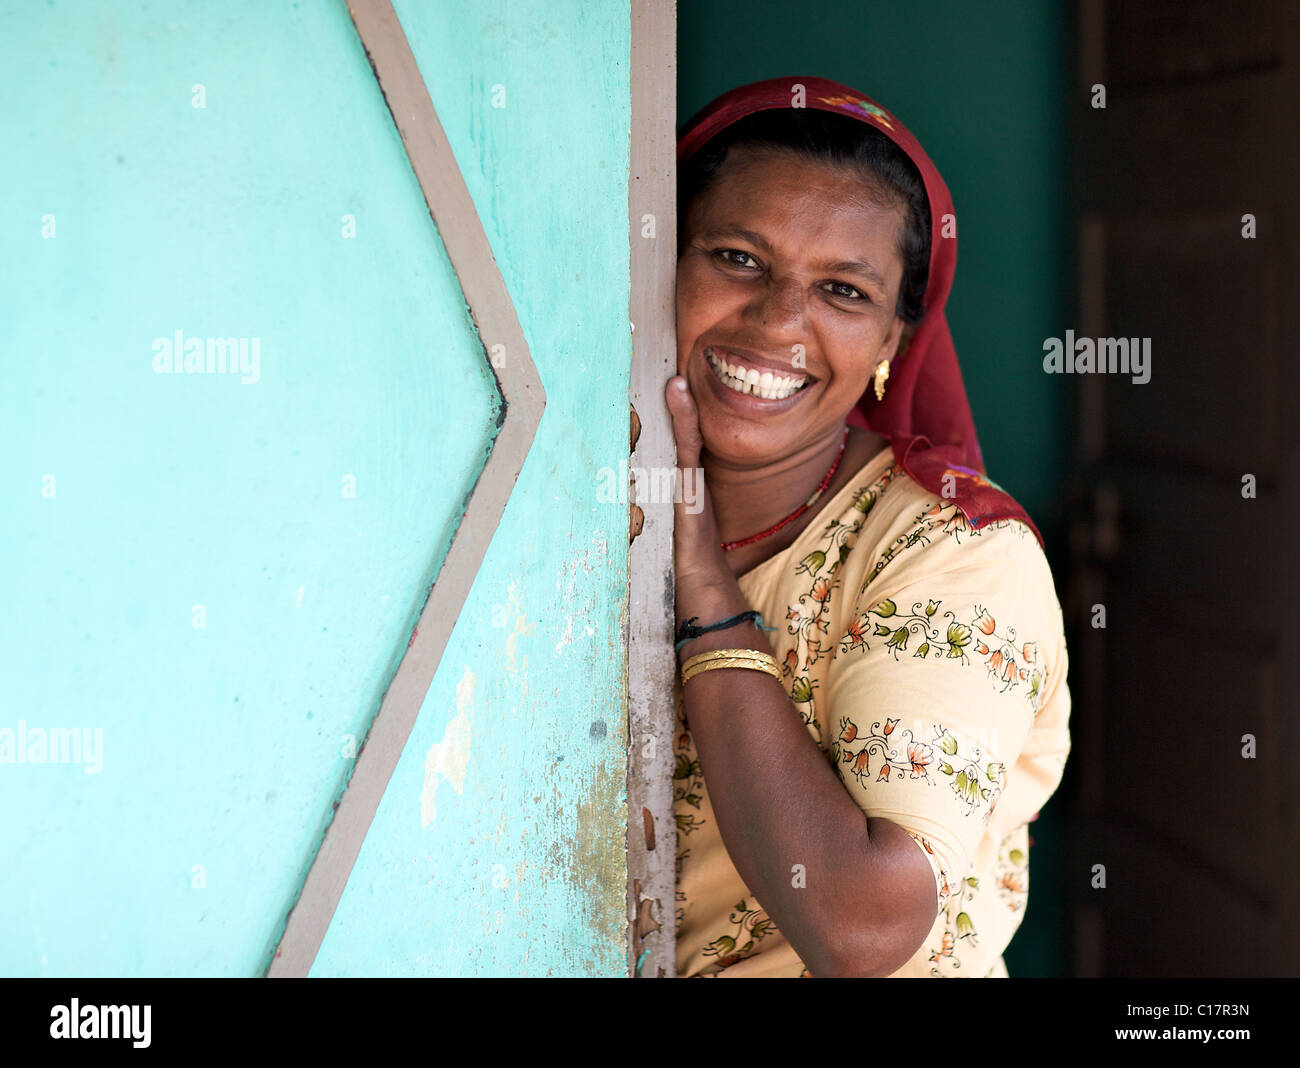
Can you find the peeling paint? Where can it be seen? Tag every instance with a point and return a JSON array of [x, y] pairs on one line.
[[599, 839], [576, 573], [449, 758], [566, 638], [522, 628]]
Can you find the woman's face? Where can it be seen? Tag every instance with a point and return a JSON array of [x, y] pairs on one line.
[[791, 268]]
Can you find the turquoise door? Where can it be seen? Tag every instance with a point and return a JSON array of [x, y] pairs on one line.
[[276, 360]]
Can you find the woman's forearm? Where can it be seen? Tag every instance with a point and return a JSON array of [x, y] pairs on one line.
[[796, 837]]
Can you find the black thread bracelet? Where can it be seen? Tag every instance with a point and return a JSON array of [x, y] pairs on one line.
[[689, 631]]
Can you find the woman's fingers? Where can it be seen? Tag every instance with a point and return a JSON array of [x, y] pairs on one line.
[[698, 556], [686, 423], [690, 446]]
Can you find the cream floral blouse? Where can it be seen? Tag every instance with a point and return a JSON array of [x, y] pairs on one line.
[[928, 662]]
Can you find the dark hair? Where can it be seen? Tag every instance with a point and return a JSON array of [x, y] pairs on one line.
[[841, 141]]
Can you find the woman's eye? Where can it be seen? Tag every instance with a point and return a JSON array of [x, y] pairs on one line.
[[848, 292], [735, 257]]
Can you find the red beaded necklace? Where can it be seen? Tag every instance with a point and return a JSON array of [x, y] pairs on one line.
[[727, 546]]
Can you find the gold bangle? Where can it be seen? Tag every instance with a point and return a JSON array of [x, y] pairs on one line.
[[725, 654], [730, 658]]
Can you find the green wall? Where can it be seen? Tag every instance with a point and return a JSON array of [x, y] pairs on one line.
[[981, 87]]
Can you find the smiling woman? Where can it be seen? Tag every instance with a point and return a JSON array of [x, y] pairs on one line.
[[859, 803]]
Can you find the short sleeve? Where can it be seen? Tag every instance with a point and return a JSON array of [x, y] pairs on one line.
[[937, 678]]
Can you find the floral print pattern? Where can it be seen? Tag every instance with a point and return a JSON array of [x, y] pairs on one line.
[[942, 517], [975, 780], [880, 754], [1009, 661], [942, 878], [808, 620], [748, 928], [977, 895]]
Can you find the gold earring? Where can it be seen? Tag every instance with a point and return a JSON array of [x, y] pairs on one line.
[[882, 373]]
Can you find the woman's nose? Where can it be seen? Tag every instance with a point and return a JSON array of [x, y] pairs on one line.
[[779, 304]]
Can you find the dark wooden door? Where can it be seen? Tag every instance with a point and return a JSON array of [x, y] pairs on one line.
[[1198, 580]]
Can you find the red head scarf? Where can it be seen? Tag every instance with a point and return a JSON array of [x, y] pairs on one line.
[[924, 415]]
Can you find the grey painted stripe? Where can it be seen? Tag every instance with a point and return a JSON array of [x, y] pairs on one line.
[[652, 665], [523, 399]]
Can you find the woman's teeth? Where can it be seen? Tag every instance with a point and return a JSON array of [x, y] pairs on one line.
[[759, 384]]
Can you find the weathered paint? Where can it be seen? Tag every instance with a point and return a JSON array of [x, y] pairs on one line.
[[224, 746], [651, 838], [449, 759]]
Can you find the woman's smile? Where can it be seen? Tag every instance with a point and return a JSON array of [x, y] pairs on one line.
[[743, 374]]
